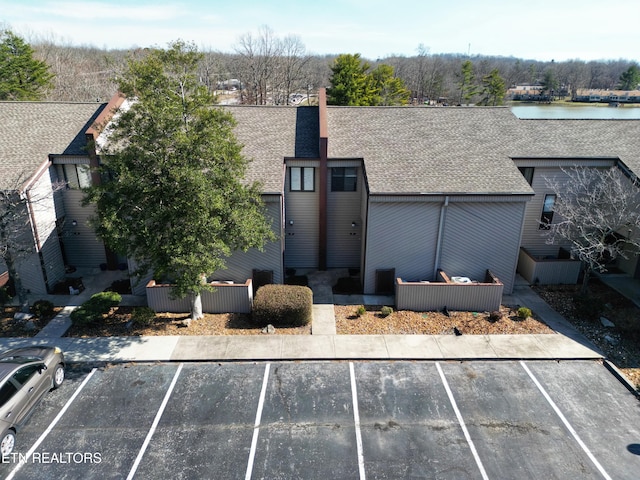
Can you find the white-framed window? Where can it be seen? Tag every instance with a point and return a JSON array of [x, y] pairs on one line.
[[302, 179], [547, 211]]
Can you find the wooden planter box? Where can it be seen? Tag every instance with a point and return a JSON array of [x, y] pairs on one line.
[[549, 271], [483, 296], [227, 298]]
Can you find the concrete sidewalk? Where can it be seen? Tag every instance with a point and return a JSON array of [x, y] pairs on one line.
[[324, 343]]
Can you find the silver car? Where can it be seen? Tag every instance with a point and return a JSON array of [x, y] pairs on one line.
[[26, 374]]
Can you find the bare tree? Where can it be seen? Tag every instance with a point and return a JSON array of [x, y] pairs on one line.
[[258, 59], [599, 216], [17, 206], [291, 69]]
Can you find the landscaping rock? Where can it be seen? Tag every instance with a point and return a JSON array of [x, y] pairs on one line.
[[606, 322], [611, 340], [269, 329]]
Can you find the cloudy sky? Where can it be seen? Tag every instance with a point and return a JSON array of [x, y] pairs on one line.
[[541, 30]]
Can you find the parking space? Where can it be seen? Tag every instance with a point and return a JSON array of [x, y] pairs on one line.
[[351, 420]]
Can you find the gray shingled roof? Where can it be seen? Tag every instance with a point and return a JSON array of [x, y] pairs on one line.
[[31, 131], [406, 150], [466, 150], [271, 134]]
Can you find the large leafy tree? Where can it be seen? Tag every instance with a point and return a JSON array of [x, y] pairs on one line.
[[599, 216], [351, 84], [630, 78], [176, 201], [22, 77], [550, 84]]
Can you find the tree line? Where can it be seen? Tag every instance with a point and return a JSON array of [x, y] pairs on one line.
[[270, 68]]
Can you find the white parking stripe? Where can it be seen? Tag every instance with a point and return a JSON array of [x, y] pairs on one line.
[[356, 419], [154, 425], [52, 424], [256, 425], [461, 422], [566, 422]]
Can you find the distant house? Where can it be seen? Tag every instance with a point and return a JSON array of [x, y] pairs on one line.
[[386, 192], [606, 96]]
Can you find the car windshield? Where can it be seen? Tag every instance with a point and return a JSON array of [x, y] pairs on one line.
[[19, 359]]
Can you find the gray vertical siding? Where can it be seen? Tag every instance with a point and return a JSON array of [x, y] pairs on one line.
[[237, 298], [533, 238], [481, 236], [30, 271], [301, 238], [402, 236], [83, 249], [548, 272], [343, 240], [44, 212], [240, 264]]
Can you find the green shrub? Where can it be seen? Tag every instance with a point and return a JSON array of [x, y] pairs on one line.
[[361, 310], [4, 295], [42, 308], [143, 316], [524, 313], [283, 305], [386, 311], [94, 308]]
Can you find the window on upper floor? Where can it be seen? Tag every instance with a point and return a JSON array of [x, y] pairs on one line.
[[344, 179], [547, 211], [302, 179], [527, 173], [74, 175]]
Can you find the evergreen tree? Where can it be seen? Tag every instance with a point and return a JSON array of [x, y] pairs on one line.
[[351, 84], [630, 78], [493, 89], [390, 89], [467, 82], [177, 203], [22, 77]]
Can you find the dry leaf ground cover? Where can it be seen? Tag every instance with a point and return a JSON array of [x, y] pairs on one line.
[[620, 344], [348, 322]]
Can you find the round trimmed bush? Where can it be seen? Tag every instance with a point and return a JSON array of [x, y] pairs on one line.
[[524, 313], [386, 311], [143, 316], [42, 308]]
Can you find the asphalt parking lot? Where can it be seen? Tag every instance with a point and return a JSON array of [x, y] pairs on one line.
[[334, 420]]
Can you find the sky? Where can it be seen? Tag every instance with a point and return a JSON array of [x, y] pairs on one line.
[[542, 30]]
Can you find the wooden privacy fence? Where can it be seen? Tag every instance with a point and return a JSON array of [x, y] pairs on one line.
[[549, 271], [226, 298], [483, 296]]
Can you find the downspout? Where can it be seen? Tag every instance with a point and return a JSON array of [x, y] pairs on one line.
[[322, 208], [443, 214]]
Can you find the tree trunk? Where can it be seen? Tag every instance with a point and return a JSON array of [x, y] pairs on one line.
[[17, 282], [196, 306], [585, 281]]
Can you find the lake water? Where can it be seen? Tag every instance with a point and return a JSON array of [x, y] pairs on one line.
[[576, 112]]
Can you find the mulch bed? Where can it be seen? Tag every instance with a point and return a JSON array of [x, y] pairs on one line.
[[118, 323], [434, 323]]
